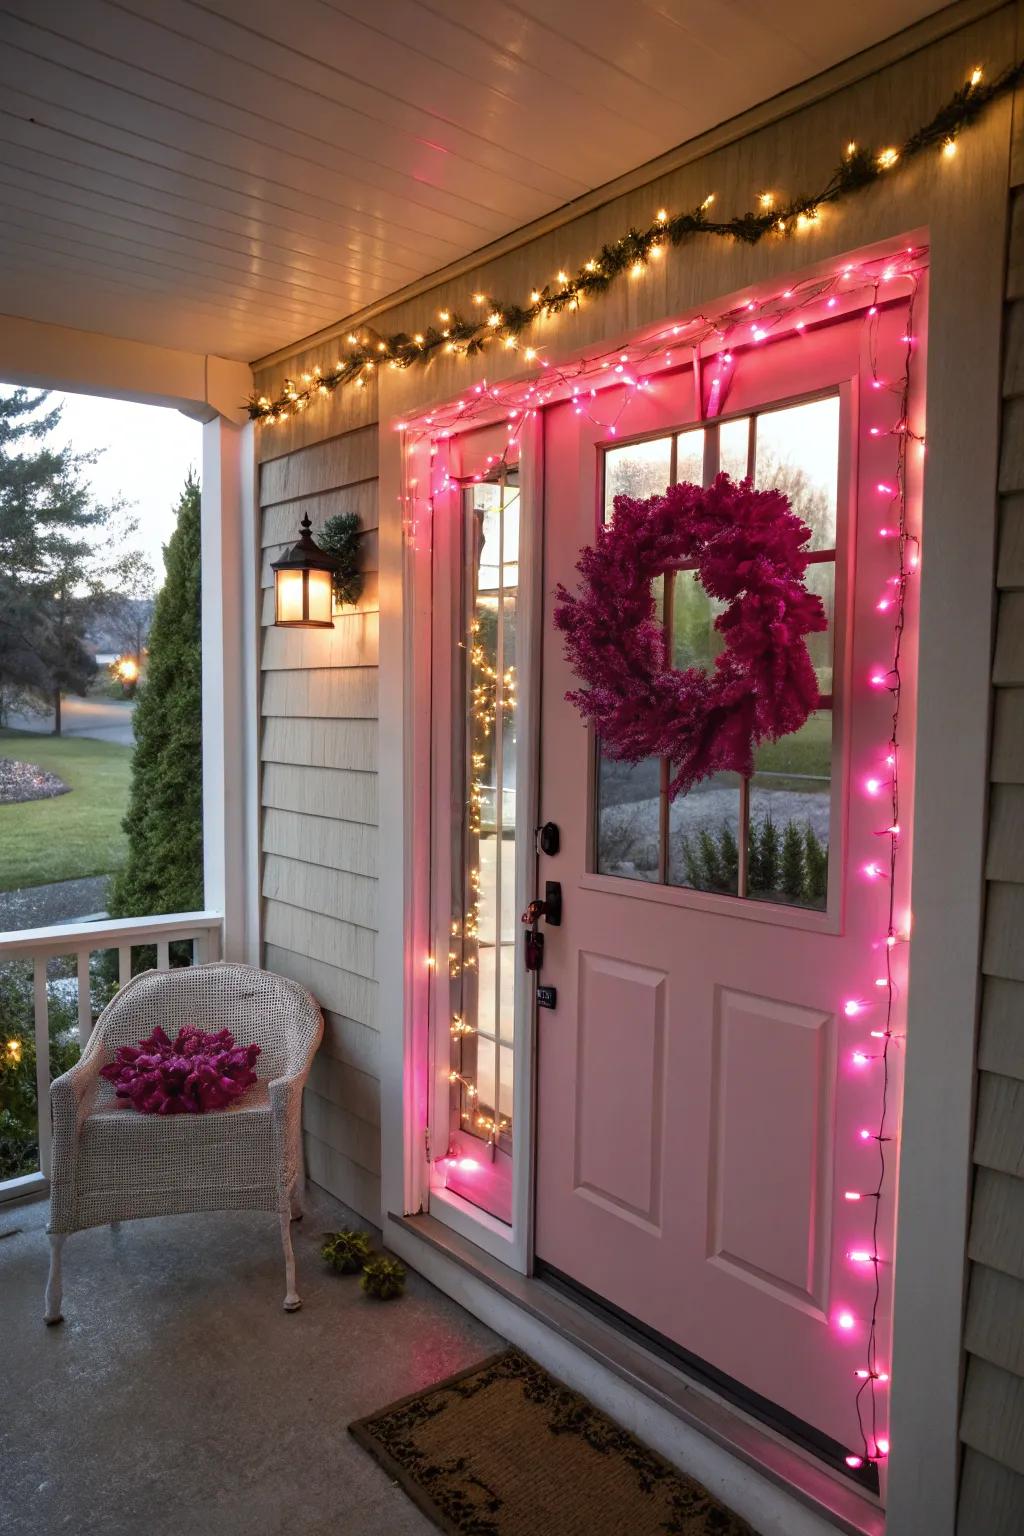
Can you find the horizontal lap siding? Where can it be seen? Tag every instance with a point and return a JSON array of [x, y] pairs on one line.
[[318, 735], [992, 1423]]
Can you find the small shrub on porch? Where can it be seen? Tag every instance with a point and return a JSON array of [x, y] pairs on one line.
[[346, 1251], [384, 1278]]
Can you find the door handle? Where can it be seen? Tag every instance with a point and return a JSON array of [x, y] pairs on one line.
[[550, 909]]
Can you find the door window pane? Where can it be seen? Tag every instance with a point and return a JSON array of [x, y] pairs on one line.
[[690, 457], [628, 818], [822, 580], [637, 469], [704, 836], [695, 640], [790, 806], [733, 445], [797, 452], [766, 838]]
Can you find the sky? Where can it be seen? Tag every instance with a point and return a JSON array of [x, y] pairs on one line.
[[149, 449]]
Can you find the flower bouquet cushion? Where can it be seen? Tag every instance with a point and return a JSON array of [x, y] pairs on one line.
[[190, 1075]]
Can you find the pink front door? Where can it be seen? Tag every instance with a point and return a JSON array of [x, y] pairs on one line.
[[700, 1115]]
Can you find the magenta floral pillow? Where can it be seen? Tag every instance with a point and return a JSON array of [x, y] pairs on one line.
[[187, 1076]]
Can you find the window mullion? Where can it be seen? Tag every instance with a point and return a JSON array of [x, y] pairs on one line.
[[743, 840]]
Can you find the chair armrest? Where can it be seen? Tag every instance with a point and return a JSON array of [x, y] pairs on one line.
[[71, 1098], [72, 1093]]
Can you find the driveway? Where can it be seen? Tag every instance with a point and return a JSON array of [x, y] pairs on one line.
[[101, 719]]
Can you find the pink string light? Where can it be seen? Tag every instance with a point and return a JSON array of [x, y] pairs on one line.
[[795, 308], [584, 385], [869, 1376]]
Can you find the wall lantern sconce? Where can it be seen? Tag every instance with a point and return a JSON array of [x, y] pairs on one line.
[[303, 584]]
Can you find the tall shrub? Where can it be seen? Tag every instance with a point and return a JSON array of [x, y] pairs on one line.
[[164, 868]]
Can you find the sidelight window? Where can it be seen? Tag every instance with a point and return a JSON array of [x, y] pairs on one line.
[[484, 924]]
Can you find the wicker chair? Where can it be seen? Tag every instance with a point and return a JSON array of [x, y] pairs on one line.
[[112, 1164]]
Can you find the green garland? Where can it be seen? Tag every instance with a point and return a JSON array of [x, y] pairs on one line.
[[632, 251], [339, 537]]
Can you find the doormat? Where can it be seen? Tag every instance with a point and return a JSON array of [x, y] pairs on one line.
[[503, 1449]]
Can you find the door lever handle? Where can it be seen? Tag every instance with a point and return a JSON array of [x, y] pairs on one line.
[[550, 909]]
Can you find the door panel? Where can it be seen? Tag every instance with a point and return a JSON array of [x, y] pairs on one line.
[[773, 1070], [697, 1107], [620, 1077]]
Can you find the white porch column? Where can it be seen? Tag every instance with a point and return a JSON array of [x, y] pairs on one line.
[[230, 637]]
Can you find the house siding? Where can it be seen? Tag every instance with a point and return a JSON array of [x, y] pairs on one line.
[[319, 814], [992, 1423]]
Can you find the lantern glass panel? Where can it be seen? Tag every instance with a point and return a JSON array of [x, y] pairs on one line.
[[319, 597], [289, 596]]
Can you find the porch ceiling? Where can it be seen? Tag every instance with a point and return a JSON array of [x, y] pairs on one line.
[[228, 176]]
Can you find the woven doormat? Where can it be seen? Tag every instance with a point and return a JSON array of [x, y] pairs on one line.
[[505, 1450]]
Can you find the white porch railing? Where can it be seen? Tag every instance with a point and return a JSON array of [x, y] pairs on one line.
[[83, 940]]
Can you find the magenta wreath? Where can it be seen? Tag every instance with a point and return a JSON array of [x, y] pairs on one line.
[[749, 549]]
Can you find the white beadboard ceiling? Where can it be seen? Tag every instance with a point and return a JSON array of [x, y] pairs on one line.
[[228, 176]]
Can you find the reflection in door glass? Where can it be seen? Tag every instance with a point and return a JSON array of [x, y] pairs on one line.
[[766, 839], [689, 458], [733, 445], [821, 578], [482, 966], [628, 818], [798, 453], [790, 808], [695, 640], [628, 795], [704, 836], [638, 469]]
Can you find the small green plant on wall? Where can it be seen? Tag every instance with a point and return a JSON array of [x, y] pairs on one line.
[[340, 537]]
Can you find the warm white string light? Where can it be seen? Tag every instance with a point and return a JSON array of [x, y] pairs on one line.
[[631, 253]]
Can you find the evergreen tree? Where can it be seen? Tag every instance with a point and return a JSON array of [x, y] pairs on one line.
[[62, 558], [793, 862], [755, 871], [711, 861], [769, 856], [164, 869], [730, 856], [816, 854]]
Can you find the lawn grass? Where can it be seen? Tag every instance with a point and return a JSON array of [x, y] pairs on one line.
[[806, 752], [73, 835]]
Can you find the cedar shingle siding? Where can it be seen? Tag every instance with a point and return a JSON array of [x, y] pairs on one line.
[[992, 1423], [319, 811]]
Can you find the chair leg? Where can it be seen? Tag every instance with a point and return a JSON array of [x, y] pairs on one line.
[[295, 1200], [55, 1279], [291, 1296]]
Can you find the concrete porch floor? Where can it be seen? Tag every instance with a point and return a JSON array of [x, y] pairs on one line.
[[177, 1398]]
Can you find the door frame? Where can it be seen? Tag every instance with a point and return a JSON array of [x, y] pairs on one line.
[[954, 680]]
